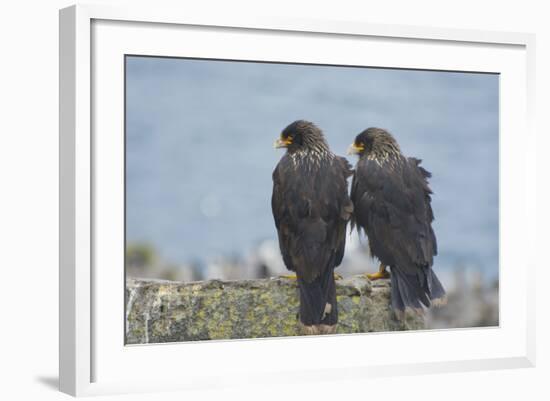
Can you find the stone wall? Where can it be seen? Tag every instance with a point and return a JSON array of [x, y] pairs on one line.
[[168, 311]]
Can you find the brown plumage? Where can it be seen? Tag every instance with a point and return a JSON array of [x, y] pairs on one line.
[[311, 208]]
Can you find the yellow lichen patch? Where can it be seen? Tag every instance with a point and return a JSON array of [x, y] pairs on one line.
[[165, 290], [220, 329]]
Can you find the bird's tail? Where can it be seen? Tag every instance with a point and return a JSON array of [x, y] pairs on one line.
[[318, 300], [414, 290]]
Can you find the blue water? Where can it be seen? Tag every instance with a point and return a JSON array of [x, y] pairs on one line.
[[199, 148]]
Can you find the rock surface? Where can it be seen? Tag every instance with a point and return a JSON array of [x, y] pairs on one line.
[[169, 311]]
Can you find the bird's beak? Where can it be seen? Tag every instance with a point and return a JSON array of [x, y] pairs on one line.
[[282, 143], [354, 149]]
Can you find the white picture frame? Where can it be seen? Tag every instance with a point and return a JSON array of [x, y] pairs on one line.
[[94, 361]]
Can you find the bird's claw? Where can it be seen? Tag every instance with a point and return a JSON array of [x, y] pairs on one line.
[[378, 275]]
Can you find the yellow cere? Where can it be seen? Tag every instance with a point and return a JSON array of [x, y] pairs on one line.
[[282, 142]]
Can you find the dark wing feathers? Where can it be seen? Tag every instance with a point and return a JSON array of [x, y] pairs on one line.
[[392, 204], [311, 207]]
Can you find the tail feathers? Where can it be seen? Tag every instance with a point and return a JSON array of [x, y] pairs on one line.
[[437, 293], [415, 290], [318, 300]]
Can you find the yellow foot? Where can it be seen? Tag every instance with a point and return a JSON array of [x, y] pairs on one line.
[[337, 276], [381, 273], [378, 275]]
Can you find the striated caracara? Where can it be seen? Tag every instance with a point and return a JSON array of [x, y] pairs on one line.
[[311, 208], [392, 204]]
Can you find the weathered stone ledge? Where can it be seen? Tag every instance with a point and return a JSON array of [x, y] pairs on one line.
[[168, 311]]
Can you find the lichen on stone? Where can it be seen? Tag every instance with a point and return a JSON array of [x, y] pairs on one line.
[[167, 311]]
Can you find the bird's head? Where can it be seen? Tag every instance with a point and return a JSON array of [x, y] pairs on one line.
[[375, 142], [302, 135]]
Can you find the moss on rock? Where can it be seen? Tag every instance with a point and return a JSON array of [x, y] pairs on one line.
[[168, 311]]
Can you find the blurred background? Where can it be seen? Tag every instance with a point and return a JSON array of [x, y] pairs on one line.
[[199, 159]]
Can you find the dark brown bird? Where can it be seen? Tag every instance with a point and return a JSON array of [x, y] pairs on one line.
[[392, 204], [311, 208]]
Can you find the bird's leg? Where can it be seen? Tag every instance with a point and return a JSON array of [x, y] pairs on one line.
[[381, 273]]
